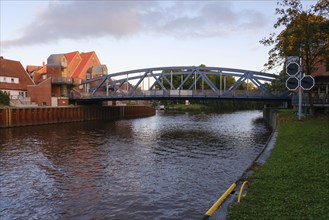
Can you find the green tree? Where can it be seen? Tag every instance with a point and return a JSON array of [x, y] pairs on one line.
[[178, 79], [4, 98], [305, 33]]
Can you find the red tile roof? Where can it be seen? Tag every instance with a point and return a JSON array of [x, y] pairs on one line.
[[78, 63], [42, 70], [83, 64], [70, 56], [12, 68], [31, 68]]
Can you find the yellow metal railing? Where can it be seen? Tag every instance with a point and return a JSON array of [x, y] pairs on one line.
[[219, 202], [241, 190], [216, 205]]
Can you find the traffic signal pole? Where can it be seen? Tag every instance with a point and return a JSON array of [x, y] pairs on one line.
[[297, 80], [300, 90], [300, 98]]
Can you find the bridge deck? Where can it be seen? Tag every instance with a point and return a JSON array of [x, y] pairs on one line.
[[159, 95]]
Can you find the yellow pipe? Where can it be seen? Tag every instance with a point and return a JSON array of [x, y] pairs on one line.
[[241, 189], [220, 200]]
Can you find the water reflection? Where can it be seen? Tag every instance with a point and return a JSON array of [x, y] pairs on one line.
[[170, 166]]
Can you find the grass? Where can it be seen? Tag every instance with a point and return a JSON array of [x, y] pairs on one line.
[[294, 181], [190, 107]]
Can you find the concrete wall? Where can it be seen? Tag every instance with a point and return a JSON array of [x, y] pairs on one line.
[[269, 115]]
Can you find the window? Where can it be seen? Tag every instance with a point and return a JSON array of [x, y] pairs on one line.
[[22, 94], [9, 79], [105, 71]]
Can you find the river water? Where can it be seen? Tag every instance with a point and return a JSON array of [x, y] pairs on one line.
[[168, 166]]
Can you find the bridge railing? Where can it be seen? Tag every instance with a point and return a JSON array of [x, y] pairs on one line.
[[317, 100], [170, 94]]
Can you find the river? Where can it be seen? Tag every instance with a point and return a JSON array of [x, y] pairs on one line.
[[168, 166]]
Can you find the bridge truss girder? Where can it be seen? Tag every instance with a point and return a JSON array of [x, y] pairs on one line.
[[120, 85]]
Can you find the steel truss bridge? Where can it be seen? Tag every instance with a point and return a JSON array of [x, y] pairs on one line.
[[179, 82]]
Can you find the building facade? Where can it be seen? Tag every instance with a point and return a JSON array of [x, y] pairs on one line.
[[62, 75], [320, 91], [14, 81]]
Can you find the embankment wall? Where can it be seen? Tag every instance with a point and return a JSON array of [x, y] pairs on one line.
[[269, 115], [14, 117]]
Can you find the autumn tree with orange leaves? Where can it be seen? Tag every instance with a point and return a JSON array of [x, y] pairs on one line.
[[305, 33]]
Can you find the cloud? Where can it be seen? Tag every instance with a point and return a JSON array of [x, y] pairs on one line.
[[118, 19]]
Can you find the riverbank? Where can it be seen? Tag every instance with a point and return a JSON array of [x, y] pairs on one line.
[[191, 107], [216, 105], [15, 117], [293, 183]]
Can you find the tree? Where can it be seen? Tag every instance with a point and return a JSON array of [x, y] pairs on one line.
[[213, 76], [4, 98], [305, 33]]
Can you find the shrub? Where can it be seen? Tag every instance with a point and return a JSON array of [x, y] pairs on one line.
[[4, 98]]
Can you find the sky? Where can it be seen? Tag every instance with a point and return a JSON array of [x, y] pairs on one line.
[[129, 35]]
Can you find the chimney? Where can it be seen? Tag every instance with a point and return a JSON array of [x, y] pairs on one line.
[[43, 63]]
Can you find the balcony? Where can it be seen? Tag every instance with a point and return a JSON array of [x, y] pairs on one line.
[[62, 80]]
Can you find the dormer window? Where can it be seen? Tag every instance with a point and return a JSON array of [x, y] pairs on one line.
[[105, 71], [64, 62], [6, 79]]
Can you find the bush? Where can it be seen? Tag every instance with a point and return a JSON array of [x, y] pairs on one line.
[[4, 98]]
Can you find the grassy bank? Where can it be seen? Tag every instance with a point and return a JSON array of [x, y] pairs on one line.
[[191, 107], [215, 105], [294, 182]]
